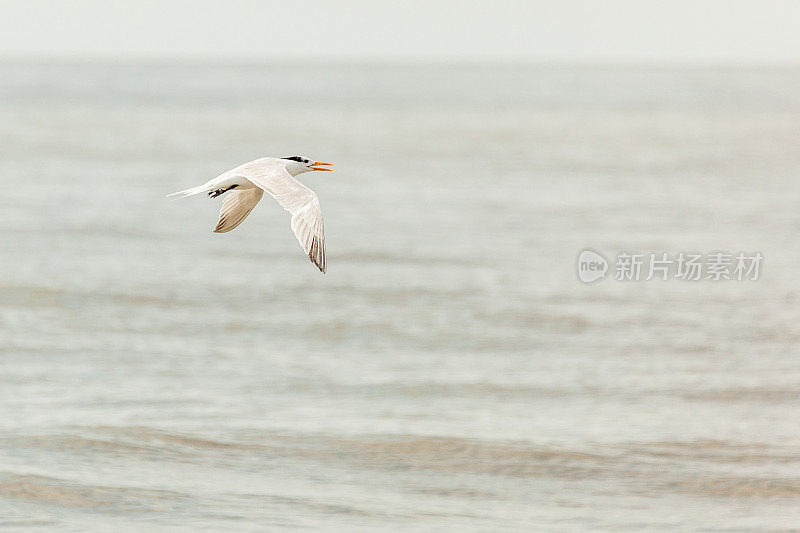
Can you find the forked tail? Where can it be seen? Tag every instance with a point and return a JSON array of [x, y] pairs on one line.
[[189, 192]]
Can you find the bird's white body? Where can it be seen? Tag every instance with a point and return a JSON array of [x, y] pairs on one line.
[[247, 184], [225, 182], [236, 176]]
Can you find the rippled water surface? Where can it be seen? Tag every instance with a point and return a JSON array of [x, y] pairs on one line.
[[449, 373]]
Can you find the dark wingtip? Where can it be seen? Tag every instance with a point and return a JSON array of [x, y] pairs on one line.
[[317, 254], [322, 267]]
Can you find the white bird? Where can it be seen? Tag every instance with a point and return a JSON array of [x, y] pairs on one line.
[[276, 176]]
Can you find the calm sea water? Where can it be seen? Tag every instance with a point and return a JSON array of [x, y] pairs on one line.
[[449, 373]]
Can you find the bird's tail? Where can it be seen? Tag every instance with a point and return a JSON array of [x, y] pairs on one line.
[[189, 192]]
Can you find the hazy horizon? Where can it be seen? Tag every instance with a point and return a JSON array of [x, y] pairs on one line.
[[713, 32], [394, 62]]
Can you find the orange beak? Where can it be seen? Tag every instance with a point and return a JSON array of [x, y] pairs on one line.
[[322, 163]]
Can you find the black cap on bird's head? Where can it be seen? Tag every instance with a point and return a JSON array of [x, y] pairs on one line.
[[307, 163]]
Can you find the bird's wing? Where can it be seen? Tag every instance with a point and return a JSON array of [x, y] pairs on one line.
[[235, 208], [301, 202]]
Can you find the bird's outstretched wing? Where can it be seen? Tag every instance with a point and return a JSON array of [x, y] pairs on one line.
[[299, 200], [235, 208]]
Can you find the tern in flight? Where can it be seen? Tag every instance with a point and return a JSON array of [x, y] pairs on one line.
[[247, 184]]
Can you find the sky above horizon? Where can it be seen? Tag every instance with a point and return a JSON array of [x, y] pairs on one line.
[[726, 32]]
